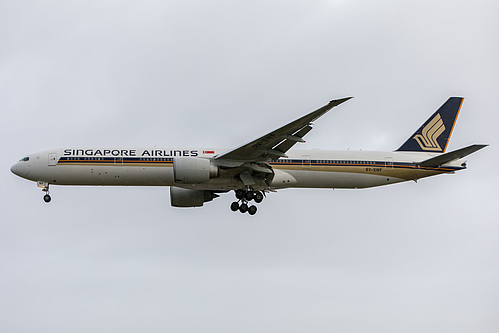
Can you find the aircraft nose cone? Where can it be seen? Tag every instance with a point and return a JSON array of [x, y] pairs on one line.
[[15, 169], [20, 170]]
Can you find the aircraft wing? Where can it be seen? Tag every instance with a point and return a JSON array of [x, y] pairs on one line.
[[276, 143]]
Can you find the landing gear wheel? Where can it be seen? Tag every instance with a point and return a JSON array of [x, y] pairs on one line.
[[258, 197], [47, 198], [252, 210], [249, 195], [243, 208], [239, 194], [234, 206]]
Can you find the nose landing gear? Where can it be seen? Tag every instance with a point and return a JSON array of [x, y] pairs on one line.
[[45, 188], [243, 198]]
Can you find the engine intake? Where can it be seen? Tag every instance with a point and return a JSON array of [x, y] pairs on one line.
[[182, 197], [193, 170]]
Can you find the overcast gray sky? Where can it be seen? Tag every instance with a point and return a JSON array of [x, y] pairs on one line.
[[403, 258]]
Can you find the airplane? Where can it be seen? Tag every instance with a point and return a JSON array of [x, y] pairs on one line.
[[264, 165]]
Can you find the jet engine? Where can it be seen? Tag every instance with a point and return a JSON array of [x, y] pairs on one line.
[[193, 170], [182, 197]]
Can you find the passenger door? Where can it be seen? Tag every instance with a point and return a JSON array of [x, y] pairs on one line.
[[52, 159], [305, 162], [388, 163]]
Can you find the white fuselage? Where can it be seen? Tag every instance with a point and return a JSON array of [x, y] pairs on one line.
[[154, 167]]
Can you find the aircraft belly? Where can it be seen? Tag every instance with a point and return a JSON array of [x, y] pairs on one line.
[[324, 179], [107, 175]]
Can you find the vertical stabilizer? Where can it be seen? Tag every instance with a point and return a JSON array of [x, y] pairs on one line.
[[433, 136]]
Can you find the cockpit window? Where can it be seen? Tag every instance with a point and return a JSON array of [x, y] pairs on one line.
[[25, 159]]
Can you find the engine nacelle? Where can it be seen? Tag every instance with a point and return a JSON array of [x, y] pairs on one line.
[[181, 197], [193, 170]]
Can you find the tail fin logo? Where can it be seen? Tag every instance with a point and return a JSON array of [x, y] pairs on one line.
[[427, 140]]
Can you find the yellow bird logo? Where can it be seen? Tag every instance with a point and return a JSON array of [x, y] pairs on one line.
[[427, 140]]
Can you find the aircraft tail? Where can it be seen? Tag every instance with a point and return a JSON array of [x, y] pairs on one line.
[[433, 136]]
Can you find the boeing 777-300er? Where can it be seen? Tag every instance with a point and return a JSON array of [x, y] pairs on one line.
[[196, 176]]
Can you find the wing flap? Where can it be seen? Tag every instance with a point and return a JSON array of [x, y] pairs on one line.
[[291, 140]]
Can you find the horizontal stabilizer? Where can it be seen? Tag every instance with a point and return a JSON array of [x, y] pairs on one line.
[[451, 156]]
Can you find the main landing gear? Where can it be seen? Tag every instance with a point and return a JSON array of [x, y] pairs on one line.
[[245, 196]]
